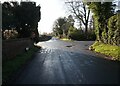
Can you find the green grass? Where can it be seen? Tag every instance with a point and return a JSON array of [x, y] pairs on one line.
[[107, 49], [11, 66], [66, 39]]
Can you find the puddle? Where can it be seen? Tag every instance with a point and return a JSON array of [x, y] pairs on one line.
[[69, 46], [86, 45]]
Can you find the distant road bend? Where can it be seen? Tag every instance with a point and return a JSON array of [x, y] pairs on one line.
[[61, 62]]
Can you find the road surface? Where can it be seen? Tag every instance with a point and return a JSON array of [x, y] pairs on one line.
[[61, 62]]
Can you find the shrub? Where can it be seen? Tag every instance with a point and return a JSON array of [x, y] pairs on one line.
[[81, 36], [114, 30], [10, 34], [77, 35]]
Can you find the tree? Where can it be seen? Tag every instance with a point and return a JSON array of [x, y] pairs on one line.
[[80, 11], [69, 22], [64, 27], [23, 17], [59, 27], [9, 20], [71, 32], [102, 12], [28, 15]]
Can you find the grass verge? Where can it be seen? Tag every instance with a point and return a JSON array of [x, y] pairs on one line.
[[107, 49], [66, 39], [11, 66]]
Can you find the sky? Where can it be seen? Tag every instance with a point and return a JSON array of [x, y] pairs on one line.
[[50, 11]]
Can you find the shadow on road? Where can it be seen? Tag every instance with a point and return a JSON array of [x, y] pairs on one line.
[[56, 66]]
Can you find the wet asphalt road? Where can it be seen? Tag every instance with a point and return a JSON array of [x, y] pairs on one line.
[[59, 63]]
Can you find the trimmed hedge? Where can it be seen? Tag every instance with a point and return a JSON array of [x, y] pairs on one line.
[[114, 30]]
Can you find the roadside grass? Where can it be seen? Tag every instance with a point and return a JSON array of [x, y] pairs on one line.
[[11, 66], [66, 39], [107, 49]]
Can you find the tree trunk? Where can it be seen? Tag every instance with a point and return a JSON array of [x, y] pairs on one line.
[[86, 31]]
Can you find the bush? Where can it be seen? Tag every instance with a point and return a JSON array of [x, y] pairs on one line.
[[10, 34], [77, 35], [114, 30], [81, 36], [91, 36], [105, 36]]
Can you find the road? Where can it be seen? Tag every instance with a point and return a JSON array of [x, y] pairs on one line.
[[61, 62]]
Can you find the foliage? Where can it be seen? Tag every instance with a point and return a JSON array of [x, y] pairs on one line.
[[71, 32], [24, 17], [107, 49], [114, 30], [65, 39], [10, 34], [91, 36], [64, 28], [77, 34], [102, 12], [80, 12], [61, 26], [11, 66]]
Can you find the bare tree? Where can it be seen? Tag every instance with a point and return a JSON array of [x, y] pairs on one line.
[[79, 10]]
